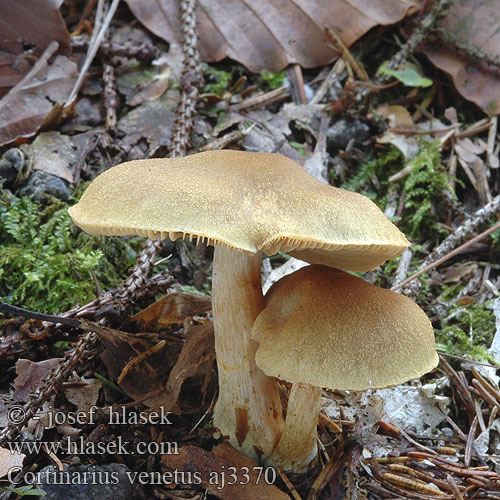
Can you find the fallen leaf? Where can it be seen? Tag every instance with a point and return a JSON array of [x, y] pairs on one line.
[[8, 460], [398, 117], [174, 308], [53, 153], [271, 34], [34, 23], [213, 468], [146, 376], [30, 376], [38, 102], [154, 90], [457, 273], [145, 381], [476, 22], [152, 121], [195, 359], [82, 392]]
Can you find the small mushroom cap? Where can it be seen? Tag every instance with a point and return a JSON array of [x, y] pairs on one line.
[[327, 328], [249, 201]]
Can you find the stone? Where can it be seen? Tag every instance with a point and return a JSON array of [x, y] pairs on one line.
[[342, 131], [40, 184], [87, 482]]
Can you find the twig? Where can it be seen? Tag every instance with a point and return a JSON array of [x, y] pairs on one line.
[[289, 484], [470, 441], [439, 9], [332, 75], [451, 254], [349, 59], [224, 141], [461, 388], [403, 266], [294, 73], [93, 48], [461, 358], [495, 393], [470, 49], [18, 311], [454, 487], [261, 99], [326, 473], [140, 358]]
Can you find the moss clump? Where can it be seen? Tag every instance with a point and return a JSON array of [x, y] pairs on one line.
[[424, 187], [468, 332], [220, 81], [382, 166], [271, 80], [45, 261]]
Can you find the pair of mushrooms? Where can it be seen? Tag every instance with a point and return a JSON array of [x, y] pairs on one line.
[[319, 327]]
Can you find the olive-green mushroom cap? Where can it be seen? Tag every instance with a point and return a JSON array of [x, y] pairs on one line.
[[330, 329], [249, 201]]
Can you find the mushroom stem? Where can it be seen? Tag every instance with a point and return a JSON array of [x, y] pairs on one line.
[[297, 446], [248, 409]]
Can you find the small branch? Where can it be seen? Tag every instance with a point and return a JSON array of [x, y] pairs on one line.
[[19, 311], [446, 257], [93, 48]]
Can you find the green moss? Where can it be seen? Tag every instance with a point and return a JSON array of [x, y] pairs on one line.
[[468, 332], [46, 261], [424, 187], [381, 166], [220, 81], [298, 147], [272, 80]]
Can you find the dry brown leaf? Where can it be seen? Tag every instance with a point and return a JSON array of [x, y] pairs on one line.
[[212, 466], [38, 102], [398, 117], [8, 460], [174, 308], [195, 359], [34, 24], [154, 90], [30, 376], [149, 374], [145, 380], [54, 153], [455, 274], [82, 392], [152, 121], [271, 34], [476, 22]]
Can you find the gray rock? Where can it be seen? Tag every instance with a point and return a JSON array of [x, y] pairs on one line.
[[10, 164], [41, 184], [342, 131], [87, 482]]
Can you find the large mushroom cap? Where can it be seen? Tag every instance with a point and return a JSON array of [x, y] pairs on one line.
[[249, 201], [327, 328]]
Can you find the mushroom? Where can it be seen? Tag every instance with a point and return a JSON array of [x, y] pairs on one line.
[[243, 204], [322, 327]]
